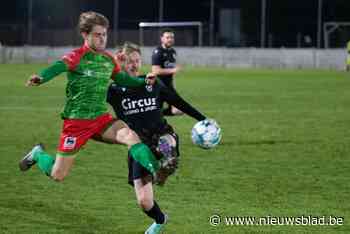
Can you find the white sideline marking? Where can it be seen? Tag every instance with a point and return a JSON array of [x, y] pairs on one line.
[[27, 108], [35, 97]]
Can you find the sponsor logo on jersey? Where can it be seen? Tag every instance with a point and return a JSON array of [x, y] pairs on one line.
[[149, 88], [88, 73], [140, 105], [168, 64], [69, 142], [97, 74]]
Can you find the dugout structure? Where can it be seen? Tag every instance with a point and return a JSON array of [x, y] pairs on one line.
[[159, 25]]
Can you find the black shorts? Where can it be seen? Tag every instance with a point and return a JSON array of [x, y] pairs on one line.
[[136, 170]]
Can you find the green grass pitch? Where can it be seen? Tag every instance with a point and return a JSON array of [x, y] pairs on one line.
[[285, 152]]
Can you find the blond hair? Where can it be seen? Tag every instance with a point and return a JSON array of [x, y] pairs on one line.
[[130, 47]]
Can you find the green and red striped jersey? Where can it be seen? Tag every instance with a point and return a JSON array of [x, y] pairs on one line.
[[88, 73]]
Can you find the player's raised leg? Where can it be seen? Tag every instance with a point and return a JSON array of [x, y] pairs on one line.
[[56, 168], [75, 133]]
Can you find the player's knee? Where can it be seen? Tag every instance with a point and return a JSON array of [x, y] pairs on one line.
[[133, 137], [129, 137], [145, 202]]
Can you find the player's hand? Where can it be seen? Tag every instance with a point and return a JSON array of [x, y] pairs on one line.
[[34, 80], [150, 78], [120, 57]]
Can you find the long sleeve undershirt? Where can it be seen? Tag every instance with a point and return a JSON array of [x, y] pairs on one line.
[[58, 67]]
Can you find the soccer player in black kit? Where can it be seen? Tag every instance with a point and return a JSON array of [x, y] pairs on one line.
[[141, 109], [164, 65]]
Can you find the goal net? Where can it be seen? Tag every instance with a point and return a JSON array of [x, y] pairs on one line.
[[186, 33]]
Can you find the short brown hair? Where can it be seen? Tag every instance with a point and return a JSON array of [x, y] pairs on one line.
[[166, 30], [87, 20]]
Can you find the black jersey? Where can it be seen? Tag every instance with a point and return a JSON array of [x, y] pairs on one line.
[[141, 107], [165, 58]]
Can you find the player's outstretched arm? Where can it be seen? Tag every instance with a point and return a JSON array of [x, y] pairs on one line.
[[47, 74], [124, 79], [173, 98]]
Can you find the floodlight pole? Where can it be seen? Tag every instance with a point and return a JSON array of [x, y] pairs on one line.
[[115, 21], [161, 10], [319, 23], [212, 21], [263, 24], [30, 23]]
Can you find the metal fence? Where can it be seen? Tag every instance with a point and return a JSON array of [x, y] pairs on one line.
[[217, 57]]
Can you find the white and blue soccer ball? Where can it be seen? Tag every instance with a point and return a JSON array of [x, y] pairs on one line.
[[206, 134]]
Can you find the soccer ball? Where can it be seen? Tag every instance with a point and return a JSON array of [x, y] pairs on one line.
[[206, 134]]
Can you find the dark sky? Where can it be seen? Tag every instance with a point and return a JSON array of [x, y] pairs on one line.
[[285, 18]]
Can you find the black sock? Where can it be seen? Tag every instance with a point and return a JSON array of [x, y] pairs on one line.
[[155, 213]]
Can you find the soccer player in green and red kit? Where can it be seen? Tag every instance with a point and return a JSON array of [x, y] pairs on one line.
[[85, 116]]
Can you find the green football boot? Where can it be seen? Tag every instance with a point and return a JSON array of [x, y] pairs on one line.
[[28, 161]]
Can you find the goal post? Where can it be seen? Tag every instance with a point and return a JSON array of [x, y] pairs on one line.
[[197, 24], [331, 27]]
